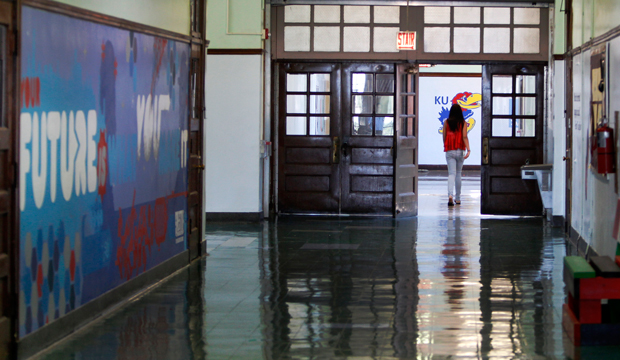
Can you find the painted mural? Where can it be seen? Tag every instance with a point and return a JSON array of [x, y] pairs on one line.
[[103, 178], [466, 100], [437, 95]]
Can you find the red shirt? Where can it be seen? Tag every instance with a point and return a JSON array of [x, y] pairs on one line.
[[454, 139]]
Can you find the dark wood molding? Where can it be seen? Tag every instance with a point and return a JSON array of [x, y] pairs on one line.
[[611, 34], [92, 16], [558, 57], [235, 51], [441, 74], [234, 216]]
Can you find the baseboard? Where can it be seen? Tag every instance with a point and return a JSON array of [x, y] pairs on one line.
[[557, 221], [580, 244], [445, 167], [48, 335], [234, 216]]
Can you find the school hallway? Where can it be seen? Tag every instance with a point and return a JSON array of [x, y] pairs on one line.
[[449, 283]]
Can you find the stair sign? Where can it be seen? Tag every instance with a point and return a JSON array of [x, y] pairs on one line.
[[406, 40]]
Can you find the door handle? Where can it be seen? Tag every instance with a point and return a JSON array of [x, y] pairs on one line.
[[345, 147], [485, 151], [335, 152], [199, 167], [564, 158]]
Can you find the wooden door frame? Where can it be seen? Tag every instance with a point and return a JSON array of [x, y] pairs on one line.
[[568, 118], [196, 165], [569, 144], [9, 17]]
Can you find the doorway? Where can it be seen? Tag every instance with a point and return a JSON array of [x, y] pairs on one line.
[[336, 139]]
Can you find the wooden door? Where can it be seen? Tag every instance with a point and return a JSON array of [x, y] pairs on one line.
[[195, 148], [8, 214], [367, 169], [512, 136], [406, 139], [309, 139]]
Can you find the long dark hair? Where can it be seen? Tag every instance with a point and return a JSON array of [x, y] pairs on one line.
[[455, 118]]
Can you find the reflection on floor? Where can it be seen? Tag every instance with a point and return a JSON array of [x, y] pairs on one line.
[[447, 284]]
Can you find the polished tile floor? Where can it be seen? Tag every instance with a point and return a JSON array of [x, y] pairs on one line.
[[448, 284]]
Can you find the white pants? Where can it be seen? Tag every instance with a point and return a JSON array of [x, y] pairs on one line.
[[454, 158]]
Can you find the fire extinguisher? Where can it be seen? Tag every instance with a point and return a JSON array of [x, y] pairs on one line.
[[605, 149]]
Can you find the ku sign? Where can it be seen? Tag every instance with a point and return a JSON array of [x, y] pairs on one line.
[[405, 40]]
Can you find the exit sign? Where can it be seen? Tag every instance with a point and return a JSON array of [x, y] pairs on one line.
[[405, 40]]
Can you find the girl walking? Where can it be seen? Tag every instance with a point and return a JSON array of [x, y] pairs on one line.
[[455, 143]]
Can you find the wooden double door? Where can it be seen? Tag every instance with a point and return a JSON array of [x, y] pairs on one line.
[[337, 125]]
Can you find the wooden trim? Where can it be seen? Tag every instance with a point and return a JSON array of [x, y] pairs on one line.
[[92, 16], [558, 57], [235, 51], [610, 35], [5, 203], [5, 135], [6, 14], [478, 75]]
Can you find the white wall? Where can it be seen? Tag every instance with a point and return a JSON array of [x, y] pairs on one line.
[[437, 93], [232, 133], [559, 139]]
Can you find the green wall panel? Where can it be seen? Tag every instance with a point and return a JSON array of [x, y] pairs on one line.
[[592, 18], [171, 15], [235, 24]]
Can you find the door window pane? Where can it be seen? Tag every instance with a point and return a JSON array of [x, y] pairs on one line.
[[362, 125], [502, 84], [319, 104], [362, 104], [526, 84], [319, 82], [296, 125], [296, 104], [385, 83], [319, 125], [501, 128], [525, 106], [403, 102], [403, 127], [502, 105], [525, 128], [385, 105], [384, 126], [296, 82], [361, 83]]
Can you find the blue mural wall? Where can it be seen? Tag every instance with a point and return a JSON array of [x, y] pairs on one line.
[[103, 157]]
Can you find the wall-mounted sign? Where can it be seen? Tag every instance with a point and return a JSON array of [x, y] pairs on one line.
[[405, 40]]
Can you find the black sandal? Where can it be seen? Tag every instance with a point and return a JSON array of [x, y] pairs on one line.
[[457, 202]]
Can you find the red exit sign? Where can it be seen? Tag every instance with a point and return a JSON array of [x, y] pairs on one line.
[[405, 40]]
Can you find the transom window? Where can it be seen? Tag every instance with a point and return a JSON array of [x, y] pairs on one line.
[[372, 104], [308, 98], [513, 106]]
